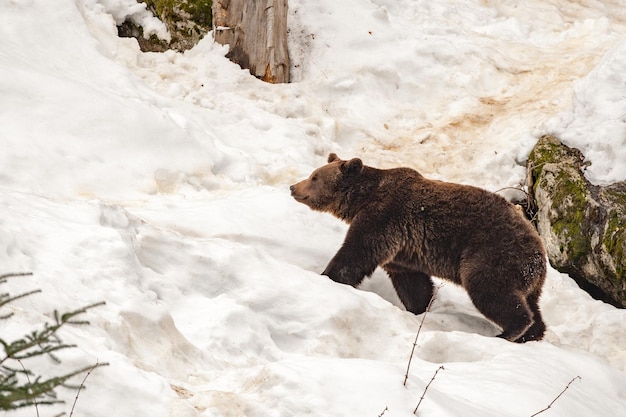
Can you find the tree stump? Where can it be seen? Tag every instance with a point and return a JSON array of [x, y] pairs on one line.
[[256, 31]]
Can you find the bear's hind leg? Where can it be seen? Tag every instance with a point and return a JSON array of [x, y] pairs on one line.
[[538, 328], [509, 311], [415, 289]]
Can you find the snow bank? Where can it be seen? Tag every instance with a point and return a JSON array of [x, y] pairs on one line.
[[159, 184], [596, 123]]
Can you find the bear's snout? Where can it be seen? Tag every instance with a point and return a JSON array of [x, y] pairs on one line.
[[297, 193]]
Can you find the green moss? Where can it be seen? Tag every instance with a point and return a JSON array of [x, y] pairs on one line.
[[570, 192], [545, 152], [617, 194], [614, 241], [199, 11], [614, 238], [187, 20], [581, 212]]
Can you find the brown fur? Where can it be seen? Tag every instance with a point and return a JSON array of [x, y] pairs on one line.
[[414, 228]]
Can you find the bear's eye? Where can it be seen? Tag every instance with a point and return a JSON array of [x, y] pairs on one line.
[[314, 178]]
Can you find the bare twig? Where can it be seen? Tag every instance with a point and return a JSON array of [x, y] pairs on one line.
[[557, 397], [406, 376], [384, 411], [82, 384], [28, 379], [426, 389], [533, 219], [528, 206], [15, 274], [513, 188]]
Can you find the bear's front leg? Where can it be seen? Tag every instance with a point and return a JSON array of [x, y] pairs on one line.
[[362, 251], [414, 288], [346, 271]]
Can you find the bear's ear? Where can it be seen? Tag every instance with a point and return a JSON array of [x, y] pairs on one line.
[[333, 157], [353, 166]]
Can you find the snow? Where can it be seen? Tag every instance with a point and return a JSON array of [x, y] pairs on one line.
[[159, 184]]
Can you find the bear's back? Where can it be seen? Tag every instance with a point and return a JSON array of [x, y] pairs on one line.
[[447, 220]]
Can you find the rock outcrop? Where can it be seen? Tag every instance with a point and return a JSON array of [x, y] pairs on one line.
[[187, 21], [583, 226], [255, 30]]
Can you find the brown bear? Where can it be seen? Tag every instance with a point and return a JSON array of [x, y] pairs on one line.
[[415, 228]]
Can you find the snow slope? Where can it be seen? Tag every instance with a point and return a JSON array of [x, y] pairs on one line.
[[159, 184]]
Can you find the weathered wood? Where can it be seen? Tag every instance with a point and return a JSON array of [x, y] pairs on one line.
[[256, 31]]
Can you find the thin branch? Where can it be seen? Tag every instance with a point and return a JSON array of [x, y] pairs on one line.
[[426, 389], [513, 188], [82, 384], [15, 274], [534, 218], [29, 383], [384, 411], [6, 298], [557, 397], [530, 207], [406, 376]]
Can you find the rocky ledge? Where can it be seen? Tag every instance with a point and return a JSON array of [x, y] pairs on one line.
[[583, 225]]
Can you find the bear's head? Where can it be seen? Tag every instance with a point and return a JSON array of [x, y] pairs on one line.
[[326, 186]]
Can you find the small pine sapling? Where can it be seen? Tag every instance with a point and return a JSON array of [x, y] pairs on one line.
[[23, 387]]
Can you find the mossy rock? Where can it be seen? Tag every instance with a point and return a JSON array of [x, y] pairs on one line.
[[129, 29], [583, 226], [186, 20]]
